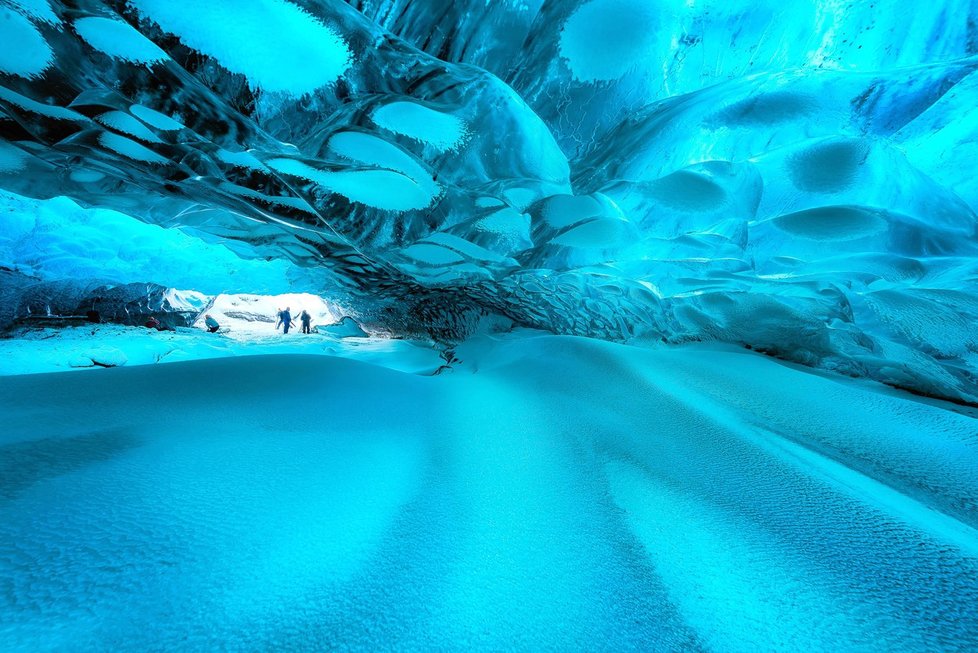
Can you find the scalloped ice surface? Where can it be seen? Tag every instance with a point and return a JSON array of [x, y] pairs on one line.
[[788, 176], [725, 503]]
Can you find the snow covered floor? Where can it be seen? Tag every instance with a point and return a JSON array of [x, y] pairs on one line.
[[73, 348], [550, 493]]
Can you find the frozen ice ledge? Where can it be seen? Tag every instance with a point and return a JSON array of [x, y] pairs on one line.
[[794, 177]]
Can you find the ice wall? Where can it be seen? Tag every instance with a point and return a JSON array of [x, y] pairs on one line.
[[789, 176], [58, 239]]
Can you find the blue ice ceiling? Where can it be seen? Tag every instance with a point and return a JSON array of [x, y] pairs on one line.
[[795, 176]]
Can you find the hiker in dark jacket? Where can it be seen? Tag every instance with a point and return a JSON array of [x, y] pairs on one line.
[[285, 319]]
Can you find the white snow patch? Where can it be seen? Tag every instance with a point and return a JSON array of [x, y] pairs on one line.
[[24, 53], [248, 316], [85, 176], [365, 148], [39, 10], [129, 148], [155, 119], [432, 254], [275, 44], [296, 203], [119, 40], [34, 106], [382, 189], [123, 122], [242, 160], [442, 131]]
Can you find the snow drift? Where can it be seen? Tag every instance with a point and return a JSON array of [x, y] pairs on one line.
[[521, 501]]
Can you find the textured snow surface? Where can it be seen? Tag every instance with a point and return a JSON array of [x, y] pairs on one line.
[[549, 493], [793, 176]]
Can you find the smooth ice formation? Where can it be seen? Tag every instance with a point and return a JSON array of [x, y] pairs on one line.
[[794, 177]]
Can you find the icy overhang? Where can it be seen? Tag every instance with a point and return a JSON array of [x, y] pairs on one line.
[[789, 176]]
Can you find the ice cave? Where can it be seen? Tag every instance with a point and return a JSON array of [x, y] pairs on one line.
[[616, 325]]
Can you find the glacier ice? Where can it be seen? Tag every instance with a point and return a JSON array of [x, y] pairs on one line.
[[791, 177], [794, 177]]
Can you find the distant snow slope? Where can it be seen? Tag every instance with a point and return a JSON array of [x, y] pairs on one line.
[[550, 493], [246, 316]]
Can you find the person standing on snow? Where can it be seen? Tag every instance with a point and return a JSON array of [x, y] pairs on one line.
[[285, 319], [306, 319]]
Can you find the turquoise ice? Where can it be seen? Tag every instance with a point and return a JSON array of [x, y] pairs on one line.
[[640, 325], [789, 176]]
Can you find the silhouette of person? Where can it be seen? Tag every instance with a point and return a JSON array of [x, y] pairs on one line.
[[306, 319], [285, 319]]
